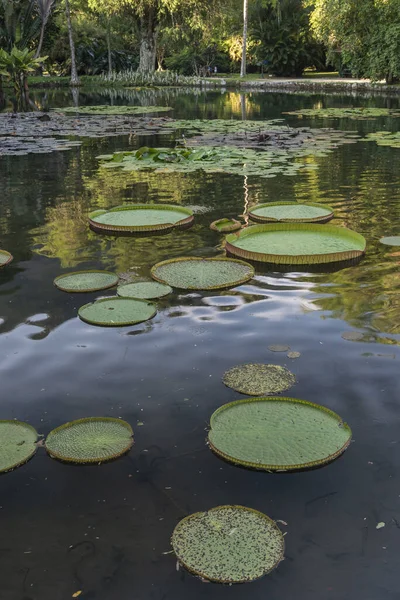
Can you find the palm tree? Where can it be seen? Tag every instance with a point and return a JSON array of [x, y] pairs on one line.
[[44, 9], [74, 72], [245, 16]]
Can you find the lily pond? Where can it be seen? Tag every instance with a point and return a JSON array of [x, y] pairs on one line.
[[327, 334]]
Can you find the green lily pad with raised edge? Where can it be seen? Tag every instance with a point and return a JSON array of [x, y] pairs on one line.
[[90, 440], [144, 289], [291, 212], [277, 434], [191, 273], [18, 444], [86, 281], [117, 312], [295, 244], [102, 109], [5, 258], [393, 240], [259, 379], [137, 218], [228, 544], [225, 225]]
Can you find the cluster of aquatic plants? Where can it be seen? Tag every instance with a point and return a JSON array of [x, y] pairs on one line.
[[355, 113], [133, 78], [384, 138], [114, 110]]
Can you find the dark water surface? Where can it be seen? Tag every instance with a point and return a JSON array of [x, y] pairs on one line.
[[106, 530]]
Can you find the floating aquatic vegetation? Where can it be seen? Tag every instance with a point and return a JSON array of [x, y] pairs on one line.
[[18, 444], [296, 244], [352, 336], [113, 110], [393, 240], [144, 289], [293, 354], [90, 440], [278, 348], [358, 114], [291, 212], [192, 273], [117, 312], [259, 379], [277, 434], [138, 218], [228, 544], [384, 138], [225, 225], [86, 281], [5, 258]]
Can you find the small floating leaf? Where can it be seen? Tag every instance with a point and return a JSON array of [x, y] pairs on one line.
[[225, 225], [228, 544], [86, 281], [393, 240], [144, 289], [293, 354], [191, 273], [352, 336], [117, 312], [90, 440], [18, 444], [277, 434], [259, 379], [5, 258], [278, 348], [380, 525]]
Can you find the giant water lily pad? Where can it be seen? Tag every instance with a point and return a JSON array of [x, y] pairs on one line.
[[90, 440], [356, 113], [277, 434], [117, 312], [86, 281], [137, 218], [114, 110], [5, 258], [291, 212], [17, 444], [225, 225], [144, 289], [296, 244], [191, 273], [259, 379], [393, 240], [228, 544]]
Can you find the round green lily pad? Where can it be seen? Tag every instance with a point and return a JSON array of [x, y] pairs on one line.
[[352, 336], [86, 281], [191, 273], [5, 258], [296, 243], [228, 544], [259, 379], [144, 289], [90, 440], [18, 444], [277, 434], [138, 218], [117, 312], [225, 225], [393, 240], [291, 212]]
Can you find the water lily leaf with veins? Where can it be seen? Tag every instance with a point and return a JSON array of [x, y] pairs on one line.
[[291, 212], [90, 440], [86, 281], [277, 434], [228, 544], [144, 289], [18, 444], [259, 379], [137, 218], [117, 312]]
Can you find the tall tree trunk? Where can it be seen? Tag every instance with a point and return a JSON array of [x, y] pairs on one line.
[[244, 47], [40, 44], [110, 66], [148, 42], [74, 72]]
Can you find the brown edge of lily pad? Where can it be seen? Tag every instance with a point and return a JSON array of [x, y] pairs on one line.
[[195, 258], [233, 226], [27, 458], [86, 290], [161, 227], [322, 219], [229, 581], [280, 468], [9, 258], [90, 460]]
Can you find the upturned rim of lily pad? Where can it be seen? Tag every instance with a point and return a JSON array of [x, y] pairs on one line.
[[225, 285], [186, 221], [97, 460], [236, 507], [299, 259], [114, 324], [277, 467], [28, 456], [329, 213], [113, 281], [8, 256], [232, 225]]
